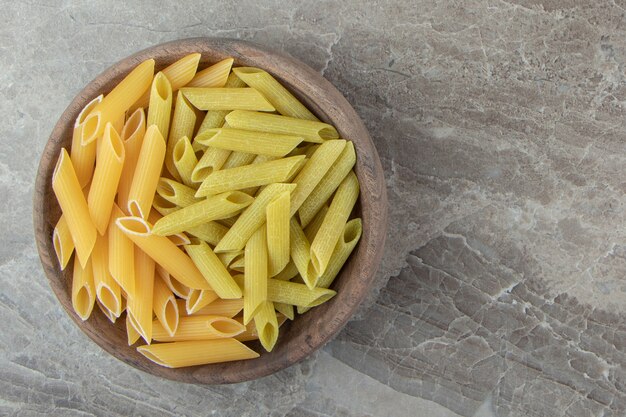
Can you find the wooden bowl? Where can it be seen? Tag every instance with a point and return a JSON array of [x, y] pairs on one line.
[[307, 332]]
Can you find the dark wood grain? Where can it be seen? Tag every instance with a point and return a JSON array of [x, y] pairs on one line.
[[308, 332]]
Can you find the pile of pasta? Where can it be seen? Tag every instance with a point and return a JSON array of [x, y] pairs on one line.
[[208, 205]]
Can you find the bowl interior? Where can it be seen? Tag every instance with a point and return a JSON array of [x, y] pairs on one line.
[[307, 332]]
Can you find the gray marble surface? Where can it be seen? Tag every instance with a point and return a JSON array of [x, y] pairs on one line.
[[501, 126]]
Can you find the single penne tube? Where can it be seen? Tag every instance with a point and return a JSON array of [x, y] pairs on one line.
[[238, 159], [251, 331], [297, 294], [132, 334], [312, 228], [301, 254], [277, 218], [184, 160], [214, 76], [284, 102], [108, 290], [259, 159], [255, 278], [228, 258], [197, 352], [107, 313], [109, 164], [258, 143], [251, 219], [266, 325], [121, 255], [160, 108], [212, 160], [83, 290], [163, 251], [180, 290], [199, 328], [83, 157], [327, 236], [215, 118], [289, 272], [210, 232], [162, 206], [216, 207], [250, 176], [132, 137], [74, 207], [118, 101], [226, 99], [178, 74], [165, 307], [309, 130], [327, 185], [213, 270], [285, 309], [140, 304], [347, 242], [176, 193], [218, 307], [314, 170], [147, 173], [62, 242], [183, 123], [198, 299]]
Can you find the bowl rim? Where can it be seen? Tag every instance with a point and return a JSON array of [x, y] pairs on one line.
[[324, 100]]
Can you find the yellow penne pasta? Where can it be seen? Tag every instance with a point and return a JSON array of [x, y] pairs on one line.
[[218, 307], [132, 137], [314, 170], [184, 160], [266, 325], [213, 270], [284, 102], [251, 331], [180, 239], [238, 159], [301, 254], [259, 159], [163, 251], [140, 304], [83, 157], [160, 108], [121, 255], [289, 272], [132, 334], [285, 309], [258, 143], [210, 232], [212, 160], [165, 307], [198, 352], [250, 176], [215, 207], [327, 185], [277, 214], [107, 289], [118, 101], [255, 287], [340, 208], [147, 173], [162, 206], [176, 193], [228, 258], [214, 76], [215, 118], [107, 313], [74, 207], [83, 290], [183, 123], [316, 223], [238, 265], [199, 328], [297, 294], [62, 242], [226, 99], [198, 299], [309, 130], [180, 290]]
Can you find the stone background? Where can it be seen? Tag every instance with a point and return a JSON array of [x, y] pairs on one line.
[[501, 128]]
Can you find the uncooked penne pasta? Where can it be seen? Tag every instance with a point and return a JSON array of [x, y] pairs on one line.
[[277, 215], [311, 131], [163, 251], [266, 325], [327, 185], [83, 157], [212, 160], [183, 123], [285, 309], [227, 258], [226, 99], [74, 207], [162, 206], [132, 137], [176, 193], [215, 118], [238, 265], [160, 108], [121, 255], [132, 334], [83, 290], [180, 290], [258, 143], [210, 232], [250, 176], [214, 76], [62, 241], [301, 254], [219, 307], [118, 101], [284, 102], [165, 307], [255, 285], [251, 330], [179, 239], [198, 352], [251, 219], [140, 304], [213, 270], [199, 328], [332, 226], [289, 272], [147, 173], [311, 230], [238, 159], [184, 160], [198, 299], [216, 207], [107, 313], [107, 289], [297, 294]]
